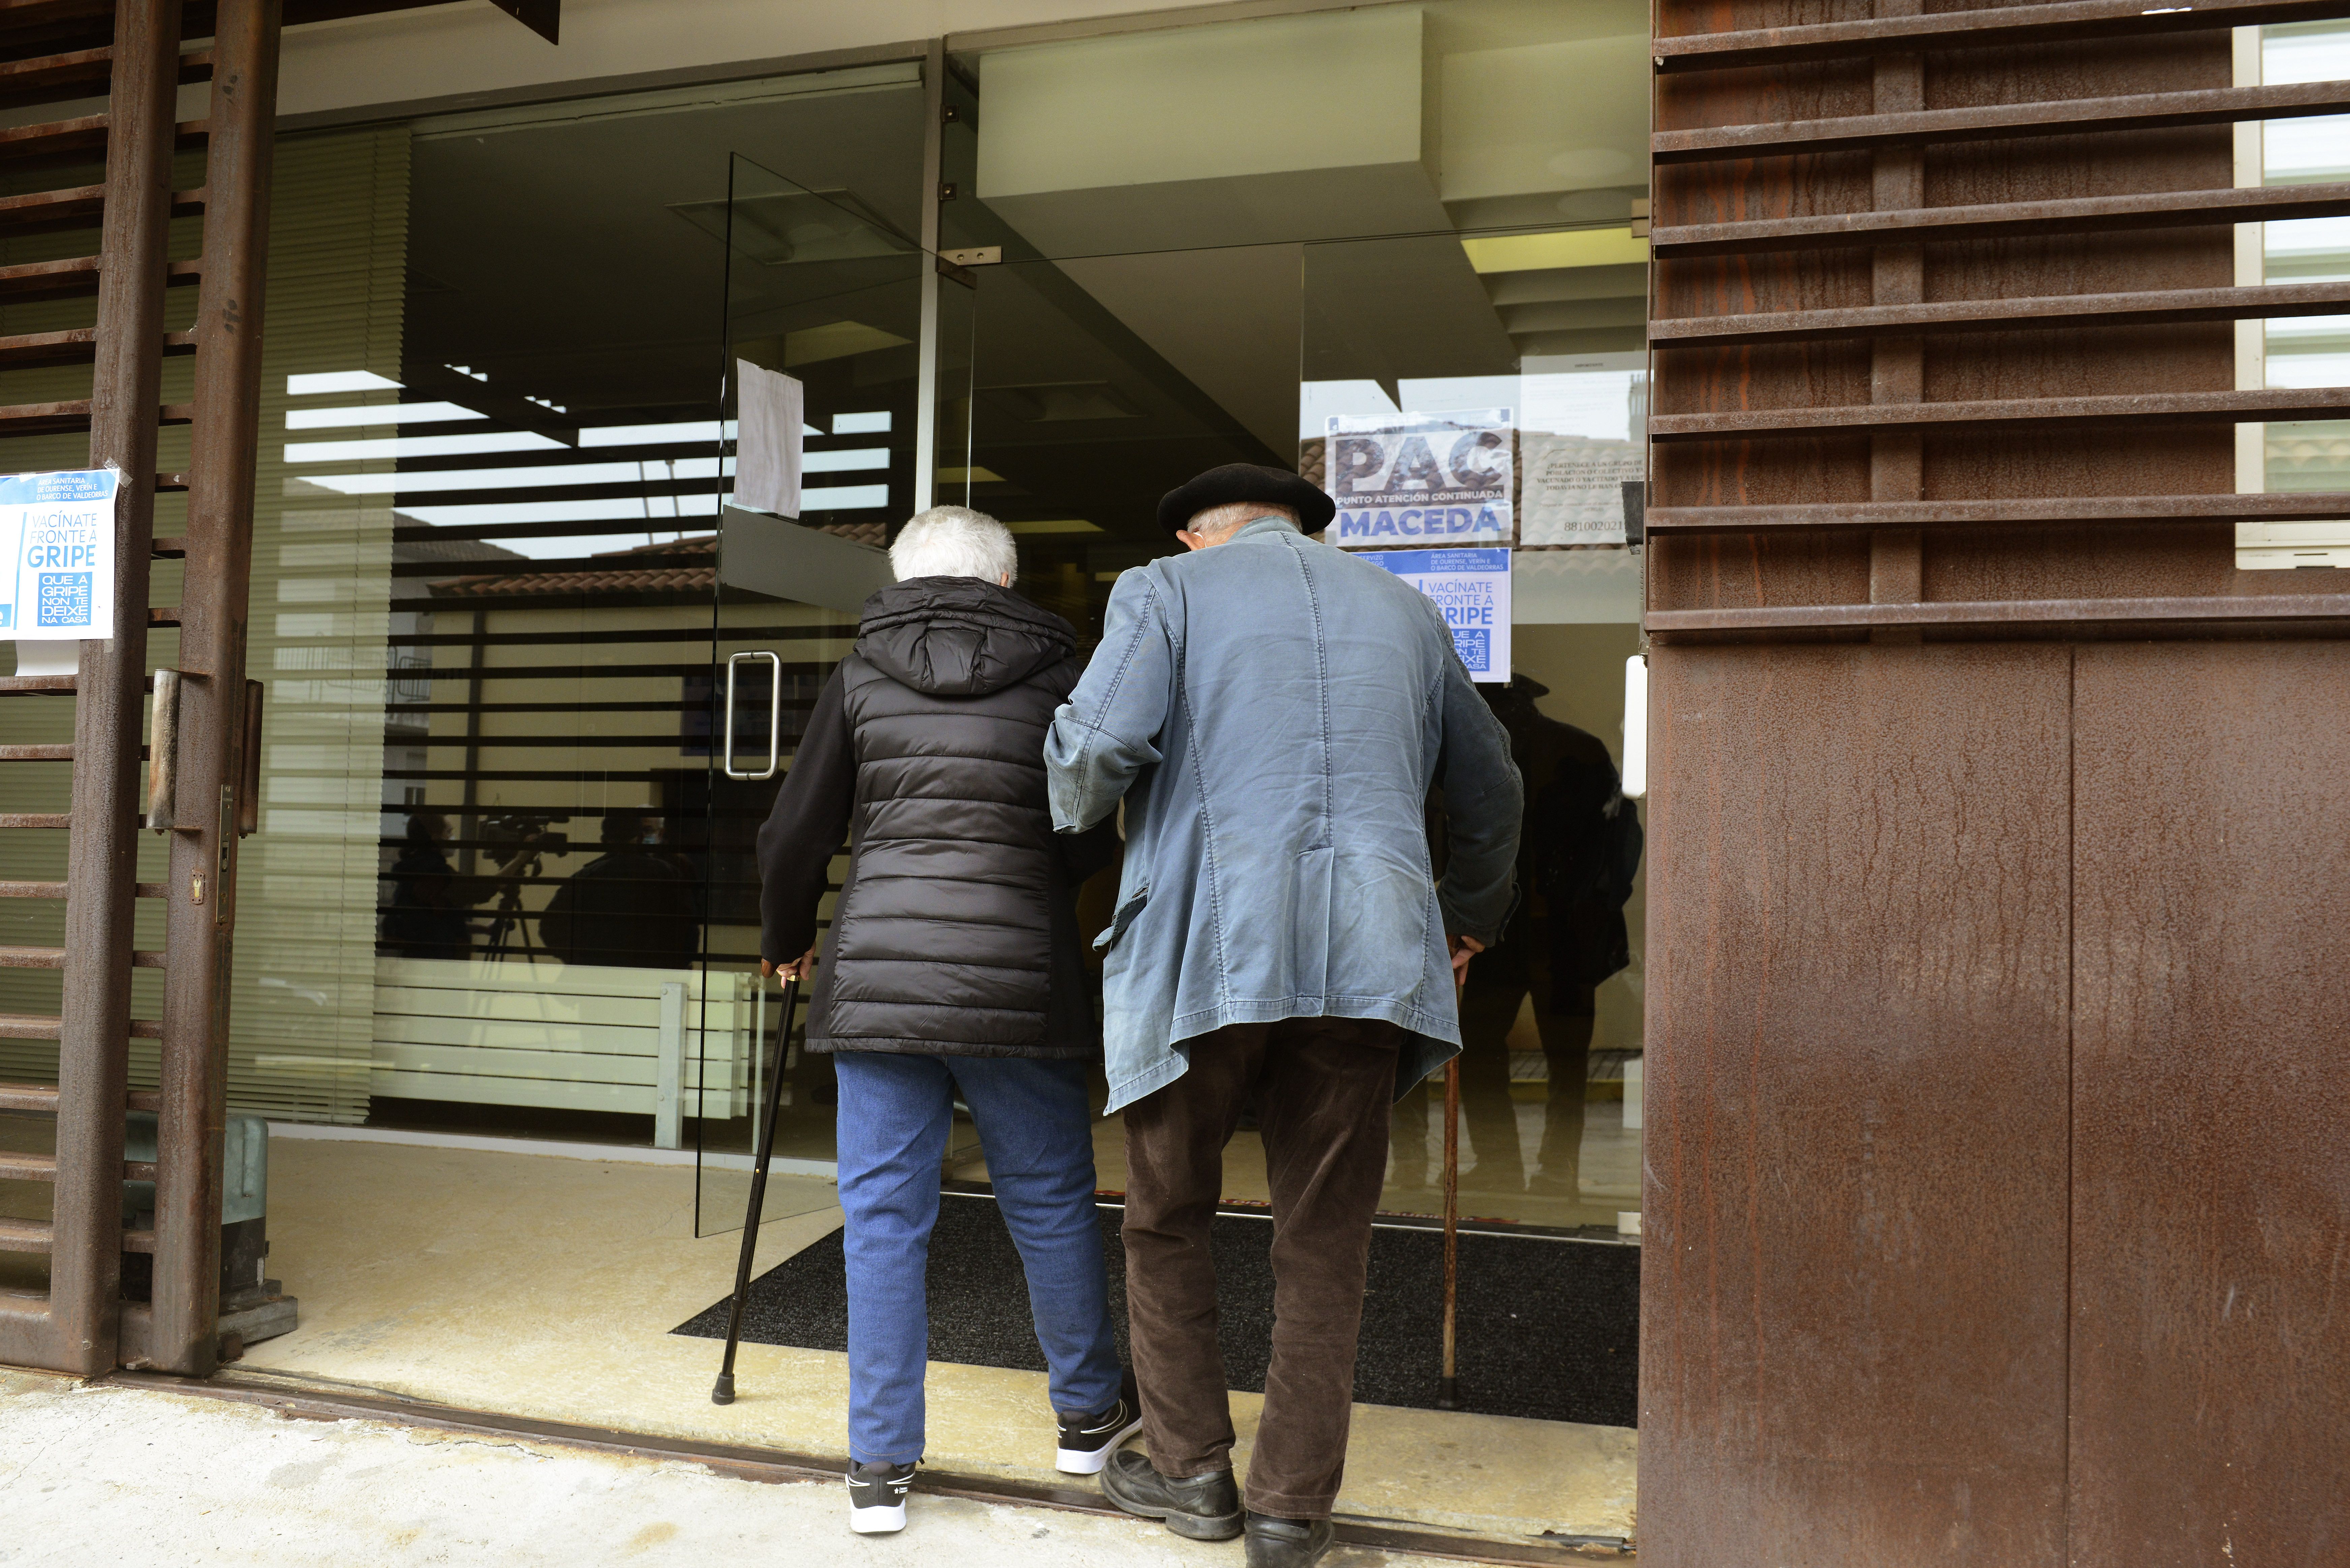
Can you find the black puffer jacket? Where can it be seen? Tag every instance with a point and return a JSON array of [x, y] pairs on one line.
[[955, 933]]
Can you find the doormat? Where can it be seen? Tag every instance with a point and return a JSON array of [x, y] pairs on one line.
[[1546, 1329]]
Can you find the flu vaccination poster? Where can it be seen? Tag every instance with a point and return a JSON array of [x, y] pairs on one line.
[[58, 531]]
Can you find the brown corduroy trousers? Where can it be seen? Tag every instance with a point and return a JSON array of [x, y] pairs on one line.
[[1321, 1088]]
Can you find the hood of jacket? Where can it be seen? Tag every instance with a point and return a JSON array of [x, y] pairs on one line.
[[960, 636]]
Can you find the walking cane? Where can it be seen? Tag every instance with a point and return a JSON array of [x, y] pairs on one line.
[[724, 1394], [1448, 1387]]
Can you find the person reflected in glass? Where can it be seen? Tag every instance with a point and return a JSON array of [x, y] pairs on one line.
[[433, 903], [1577, 854], [631, 906], [953, 970]]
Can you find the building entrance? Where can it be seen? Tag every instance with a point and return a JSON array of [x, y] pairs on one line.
[[533, 676]]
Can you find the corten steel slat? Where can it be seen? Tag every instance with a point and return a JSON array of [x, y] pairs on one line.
[[28, 1098], [2004, 26], [75, 73], [2001, 220], [218, 542], [48, 418], [92, 1058], [2282, 506], [32, 1026], [30, 1236], [58, 889], [2153, 308], [2000, 122], [61, 958], [50, 819], [76, 278], [2140, 409], [2211, 1198], [2217, 608], [75, 346], [46, 212]]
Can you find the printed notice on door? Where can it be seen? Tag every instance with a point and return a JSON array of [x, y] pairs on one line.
[[58, 529], [1473, 588], [1406, 479]]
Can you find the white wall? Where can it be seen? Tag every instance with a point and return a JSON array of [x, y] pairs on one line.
[[1202, 103]]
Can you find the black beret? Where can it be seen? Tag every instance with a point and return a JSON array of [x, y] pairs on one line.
[[1246, 481]]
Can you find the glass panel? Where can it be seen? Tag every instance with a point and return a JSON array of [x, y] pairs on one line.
[[2309, 350], [491, 862], [1238, 241], [561, 947], [827, 287], [1437, 414]]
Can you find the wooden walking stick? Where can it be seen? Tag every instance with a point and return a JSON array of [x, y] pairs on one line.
[[724, 1394], [1448, 1387]]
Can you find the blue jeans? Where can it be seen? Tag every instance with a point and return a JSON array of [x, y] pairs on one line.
[[1036, 1123]]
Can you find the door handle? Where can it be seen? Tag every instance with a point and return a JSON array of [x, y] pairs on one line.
[[775, 714]]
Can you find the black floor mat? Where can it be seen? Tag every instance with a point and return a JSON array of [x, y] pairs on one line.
[[1548, 1329]]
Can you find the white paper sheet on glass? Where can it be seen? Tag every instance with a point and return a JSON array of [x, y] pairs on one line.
[[770, 414]]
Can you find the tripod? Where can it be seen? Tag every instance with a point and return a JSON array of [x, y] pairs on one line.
[[510, 921]]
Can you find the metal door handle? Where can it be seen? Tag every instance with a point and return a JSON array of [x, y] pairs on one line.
[[775, 714]]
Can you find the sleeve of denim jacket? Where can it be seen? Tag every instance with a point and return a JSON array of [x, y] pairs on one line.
[[1484, 804], [1108, 730]]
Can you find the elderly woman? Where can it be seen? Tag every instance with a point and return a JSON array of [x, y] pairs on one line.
[[951, 970]]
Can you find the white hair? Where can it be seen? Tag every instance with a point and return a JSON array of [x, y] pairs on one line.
[[956, 542], [1234, 516]]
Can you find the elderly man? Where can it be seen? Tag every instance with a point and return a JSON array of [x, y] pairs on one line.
[[1272, 713]]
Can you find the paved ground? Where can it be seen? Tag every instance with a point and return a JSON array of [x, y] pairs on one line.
[[130, 1478]]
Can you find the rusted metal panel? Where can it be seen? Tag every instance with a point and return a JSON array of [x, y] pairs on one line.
[[2210, 1360], [213, 699], [1853, 1302]]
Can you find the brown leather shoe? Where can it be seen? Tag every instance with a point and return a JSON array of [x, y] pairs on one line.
[[1201, 1508]]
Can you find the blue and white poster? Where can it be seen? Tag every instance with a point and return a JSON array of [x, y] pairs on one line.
[[58, 531], [1473, 588], [1401, 479]]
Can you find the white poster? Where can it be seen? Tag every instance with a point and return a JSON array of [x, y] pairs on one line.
[[1575, 488], [1473, 588], [59, 530], [1582, 433], [1402, 478]]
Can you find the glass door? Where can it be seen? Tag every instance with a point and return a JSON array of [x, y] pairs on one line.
[[827, 288]]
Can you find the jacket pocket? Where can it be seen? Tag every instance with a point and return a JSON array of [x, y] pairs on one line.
[[1126, 916]]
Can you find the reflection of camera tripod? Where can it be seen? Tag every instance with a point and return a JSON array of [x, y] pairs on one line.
[[510, 932]]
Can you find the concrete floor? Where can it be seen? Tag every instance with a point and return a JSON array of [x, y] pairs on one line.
[[546, 1288], [145, 1479]]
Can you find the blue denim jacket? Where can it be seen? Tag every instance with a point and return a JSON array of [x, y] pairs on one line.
[[1273, 712]]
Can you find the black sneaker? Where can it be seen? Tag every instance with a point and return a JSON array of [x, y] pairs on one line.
[[1286, 1543], [1087, 1441], [1201, 1508], [877, 1498]]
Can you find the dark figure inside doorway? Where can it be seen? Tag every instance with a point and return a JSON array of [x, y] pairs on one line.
[[1578, 855], [632, 905]]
